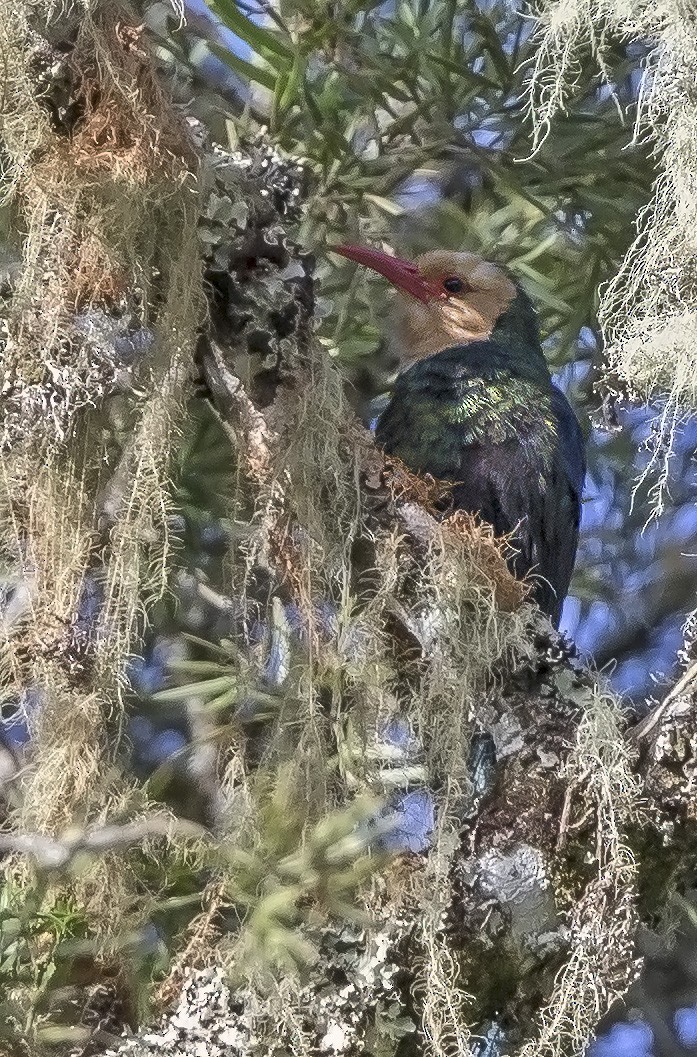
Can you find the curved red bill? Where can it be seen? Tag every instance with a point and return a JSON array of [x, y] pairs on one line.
[[402, 274]]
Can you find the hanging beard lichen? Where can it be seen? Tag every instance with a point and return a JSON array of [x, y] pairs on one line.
[[602, 922], [396, 614], [98, 332], [402, 617], [648, 312]]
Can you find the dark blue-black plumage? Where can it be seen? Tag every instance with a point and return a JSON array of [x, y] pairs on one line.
[[486, 416]]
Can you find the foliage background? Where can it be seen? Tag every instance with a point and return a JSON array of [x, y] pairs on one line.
[[411, 121]]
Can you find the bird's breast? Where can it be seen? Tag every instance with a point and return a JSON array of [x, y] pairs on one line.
[[498, 411], [462, 427]]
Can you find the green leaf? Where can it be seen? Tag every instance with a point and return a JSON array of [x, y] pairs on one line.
[[225, 649], [256, 36], [244, 68], [289, 85], [315, 112], [205, 669], [386, 205], [465, 73], [226, 700], [540, 292], [71, 1035], [207, 688]]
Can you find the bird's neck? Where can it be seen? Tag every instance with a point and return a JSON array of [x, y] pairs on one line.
[[518, 324]]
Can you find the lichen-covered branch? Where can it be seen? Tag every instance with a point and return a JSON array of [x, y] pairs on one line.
[[529, 884], [402, 655]]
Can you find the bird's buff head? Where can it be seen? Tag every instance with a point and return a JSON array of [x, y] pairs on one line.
[[444, 298]]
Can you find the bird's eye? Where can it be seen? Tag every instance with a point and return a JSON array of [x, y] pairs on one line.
[[454, 285]]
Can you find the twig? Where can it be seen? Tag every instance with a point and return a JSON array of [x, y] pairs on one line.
[[52, 853], [649, 722], [228, 390]]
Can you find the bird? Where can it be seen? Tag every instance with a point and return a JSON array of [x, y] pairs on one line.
[[474, 405]]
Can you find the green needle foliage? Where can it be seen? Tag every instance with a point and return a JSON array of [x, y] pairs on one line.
[[227, 686], [412, 121], [431, 95], [290, 885]]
